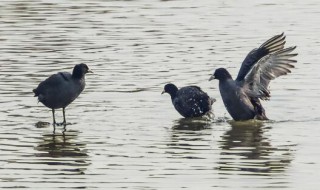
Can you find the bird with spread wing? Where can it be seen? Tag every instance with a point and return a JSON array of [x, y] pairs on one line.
[[242, 96]]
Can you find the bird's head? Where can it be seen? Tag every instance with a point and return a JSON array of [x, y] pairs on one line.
[[80, 70], [170, 89], [220, 74]]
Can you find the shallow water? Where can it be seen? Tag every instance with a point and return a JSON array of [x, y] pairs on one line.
[[123, 133]]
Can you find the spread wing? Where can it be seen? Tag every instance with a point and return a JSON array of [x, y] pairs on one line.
[[266, 69], [272, 45]]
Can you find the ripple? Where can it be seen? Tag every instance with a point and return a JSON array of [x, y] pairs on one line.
[[123, 133]]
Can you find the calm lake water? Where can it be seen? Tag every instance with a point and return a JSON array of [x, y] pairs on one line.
[[123, 132]]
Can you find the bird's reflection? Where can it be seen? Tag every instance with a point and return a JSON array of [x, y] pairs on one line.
[[189, 138], [193, 124], [64, 148], [245, 148]]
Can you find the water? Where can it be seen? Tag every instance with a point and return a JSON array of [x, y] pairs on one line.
[[123, 133]]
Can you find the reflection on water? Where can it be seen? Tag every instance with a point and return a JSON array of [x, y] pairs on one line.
[[124, 135], [245, 148], [194, 124], [66, 146], [189, 139]]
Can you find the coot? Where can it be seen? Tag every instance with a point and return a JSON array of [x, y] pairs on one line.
[[242, 96], [60, 89], [189, 101]]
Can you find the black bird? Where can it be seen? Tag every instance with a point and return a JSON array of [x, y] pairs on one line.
[[189, 101], [241, 97], [60, 89]]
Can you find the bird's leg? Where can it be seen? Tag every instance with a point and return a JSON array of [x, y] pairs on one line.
[[64, 116], [64, 132], [54, 129], [54, 119]]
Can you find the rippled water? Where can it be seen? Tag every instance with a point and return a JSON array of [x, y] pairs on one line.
[[123, 133]]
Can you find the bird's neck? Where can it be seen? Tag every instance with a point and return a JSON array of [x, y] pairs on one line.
[[225, 78], [77, 74], [226, 81], [173, 94]]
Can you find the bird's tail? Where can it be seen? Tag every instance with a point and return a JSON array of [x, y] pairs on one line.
[[36, 93], [212, 100]]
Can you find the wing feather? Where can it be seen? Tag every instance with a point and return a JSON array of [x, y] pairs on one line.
[[269, 67], [272, 45], [52, 82]]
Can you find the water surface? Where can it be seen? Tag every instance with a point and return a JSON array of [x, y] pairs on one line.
[[123, 133]]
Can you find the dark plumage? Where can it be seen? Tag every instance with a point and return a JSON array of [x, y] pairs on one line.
[[60, 89], [241, 97], [189, 101]]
